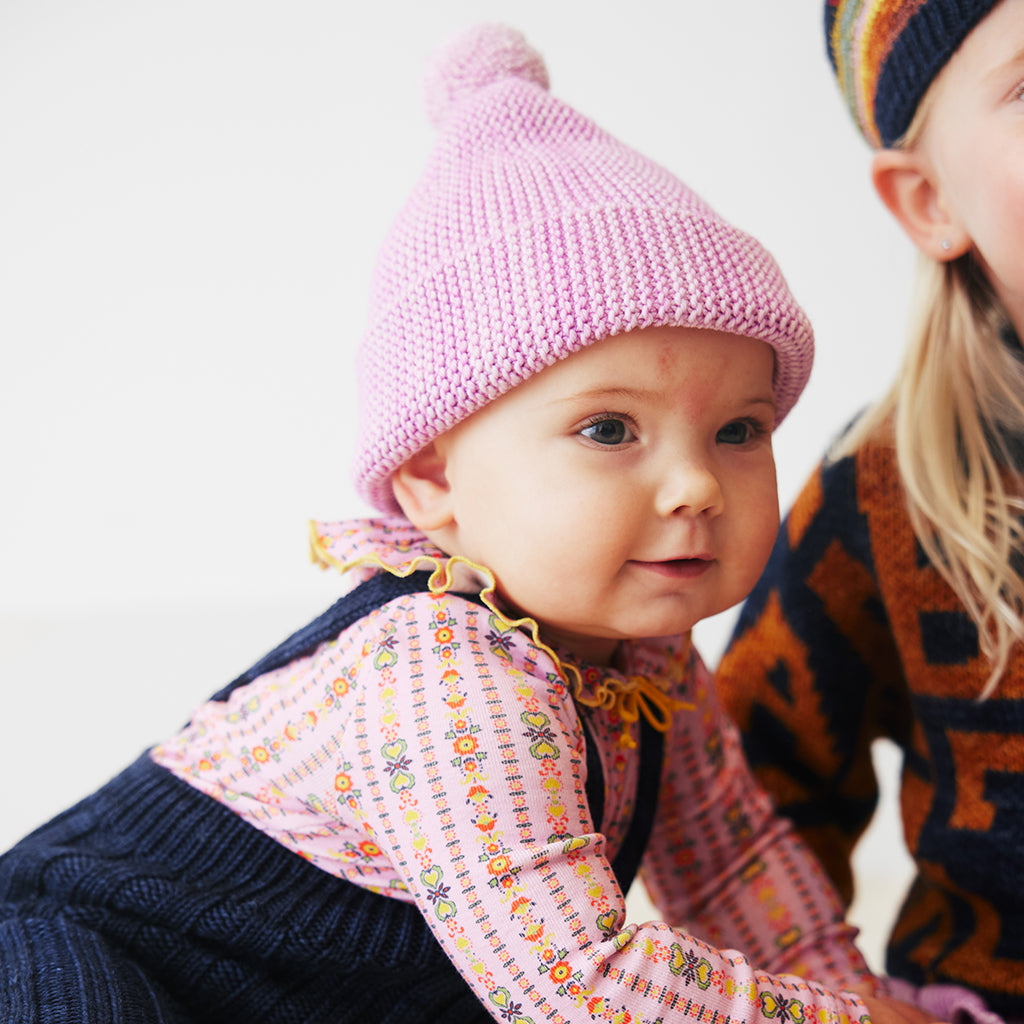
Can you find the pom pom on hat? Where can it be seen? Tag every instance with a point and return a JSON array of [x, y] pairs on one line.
[[886, 53], [473, 60], [533, 233]]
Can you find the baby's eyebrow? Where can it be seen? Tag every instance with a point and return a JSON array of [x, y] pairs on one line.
[[604, 391], [608, 391]]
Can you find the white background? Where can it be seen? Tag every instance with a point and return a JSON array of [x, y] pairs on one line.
[[191, 196]]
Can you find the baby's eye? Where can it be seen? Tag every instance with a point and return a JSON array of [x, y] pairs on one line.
[[609, 430], [738, 432]]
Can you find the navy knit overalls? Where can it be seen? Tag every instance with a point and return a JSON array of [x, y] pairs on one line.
[[149, 901]]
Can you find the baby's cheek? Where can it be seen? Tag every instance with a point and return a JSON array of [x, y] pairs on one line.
[[759, 558], [760, 514]]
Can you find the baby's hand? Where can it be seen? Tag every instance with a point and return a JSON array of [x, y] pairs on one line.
[[943, 1002], [886, 1010]]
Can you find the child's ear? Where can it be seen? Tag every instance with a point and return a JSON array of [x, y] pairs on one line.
[[422, 490], [908, 187]]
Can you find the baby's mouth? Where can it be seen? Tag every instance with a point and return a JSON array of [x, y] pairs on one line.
[[679, 568]]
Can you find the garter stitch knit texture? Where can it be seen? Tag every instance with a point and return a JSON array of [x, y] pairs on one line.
[[531, 234], [885, 54]]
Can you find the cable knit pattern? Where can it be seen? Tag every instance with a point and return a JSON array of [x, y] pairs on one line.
[[533, 233]]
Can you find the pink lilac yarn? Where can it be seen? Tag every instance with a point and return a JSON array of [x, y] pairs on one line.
[[531, 234]]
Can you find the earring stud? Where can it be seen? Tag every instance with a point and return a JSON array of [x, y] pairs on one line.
[[947, 244]]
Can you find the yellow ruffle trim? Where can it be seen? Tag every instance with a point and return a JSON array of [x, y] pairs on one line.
[[630, 697]]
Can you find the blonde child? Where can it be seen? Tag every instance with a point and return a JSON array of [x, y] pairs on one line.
[[428, 804], [892, 604]]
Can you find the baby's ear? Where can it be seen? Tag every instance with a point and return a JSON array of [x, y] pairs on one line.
[[421, 488], [910, 188]]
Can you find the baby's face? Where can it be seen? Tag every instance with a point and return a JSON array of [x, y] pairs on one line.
[[625, 492]]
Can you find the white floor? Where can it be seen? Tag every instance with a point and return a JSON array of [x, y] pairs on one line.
[[83, 694]]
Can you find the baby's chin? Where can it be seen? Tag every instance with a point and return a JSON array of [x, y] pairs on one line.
[[589, 650], [604, 649]]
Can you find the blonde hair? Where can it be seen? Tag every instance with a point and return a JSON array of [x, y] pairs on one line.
[[956, 409]]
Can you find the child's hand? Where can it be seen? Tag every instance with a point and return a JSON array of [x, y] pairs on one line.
[[886, 1010], [943, 1002]]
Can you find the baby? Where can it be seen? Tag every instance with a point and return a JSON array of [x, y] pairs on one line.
[[428, 804]]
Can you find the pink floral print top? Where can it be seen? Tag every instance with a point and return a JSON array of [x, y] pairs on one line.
[[433, 752]]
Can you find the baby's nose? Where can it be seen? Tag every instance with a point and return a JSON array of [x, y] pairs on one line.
[[691, 488]]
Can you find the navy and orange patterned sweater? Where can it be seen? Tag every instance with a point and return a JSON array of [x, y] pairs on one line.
[[850, 635]]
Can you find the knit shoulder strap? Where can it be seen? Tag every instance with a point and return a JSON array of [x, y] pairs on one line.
[[384, 587], [626, 862], [373, 593]]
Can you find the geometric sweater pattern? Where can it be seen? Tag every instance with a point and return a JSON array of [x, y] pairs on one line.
[[852, 635]]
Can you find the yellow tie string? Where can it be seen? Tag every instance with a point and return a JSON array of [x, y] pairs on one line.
[[635, 696], [630, 697]]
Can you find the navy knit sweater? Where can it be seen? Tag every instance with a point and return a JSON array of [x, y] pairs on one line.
[[850, 635]]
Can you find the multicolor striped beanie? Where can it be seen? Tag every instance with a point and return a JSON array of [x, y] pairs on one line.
[[885, 54], [532, 234]]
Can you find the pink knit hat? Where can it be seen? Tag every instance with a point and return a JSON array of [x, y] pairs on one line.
[[532, 234]]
